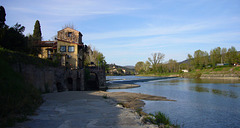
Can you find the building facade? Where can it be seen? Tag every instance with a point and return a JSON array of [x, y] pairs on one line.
[[68, 46]]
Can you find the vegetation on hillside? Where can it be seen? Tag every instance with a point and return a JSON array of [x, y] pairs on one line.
[[93, 57], [117, 70], [18, 99], [199, 61], [20, 42]]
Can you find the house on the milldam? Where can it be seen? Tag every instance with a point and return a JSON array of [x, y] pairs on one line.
[[69, 50], [68, 46]]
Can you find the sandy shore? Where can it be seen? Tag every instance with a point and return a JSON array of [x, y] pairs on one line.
[[89, 109]]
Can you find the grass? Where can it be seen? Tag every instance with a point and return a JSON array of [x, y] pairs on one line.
[[13, 57], [105, 96], [18, 99], [160, 118]]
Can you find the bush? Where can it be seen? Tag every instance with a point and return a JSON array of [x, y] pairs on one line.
[[159, 118], [18, 99]]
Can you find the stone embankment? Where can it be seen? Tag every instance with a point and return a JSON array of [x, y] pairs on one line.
[[220, 76]]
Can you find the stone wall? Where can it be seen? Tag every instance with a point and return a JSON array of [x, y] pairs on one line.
[[51, 79], [220, 76]]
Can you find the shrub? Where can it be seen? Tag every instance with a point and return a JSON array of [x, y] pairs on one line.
[[159, 118], [105, 96]]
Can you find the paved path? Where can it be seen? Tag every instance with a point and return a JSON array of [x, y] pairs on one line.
[[81, 110]]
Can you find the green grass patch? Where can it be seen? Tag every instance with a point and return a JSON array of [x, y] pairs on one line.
[[237, 68], [105, 96], [18, 99], [160, 118]]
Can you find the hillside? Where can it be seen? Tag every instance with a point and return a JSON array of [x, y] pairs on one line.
[[117, 70], [18, 98]]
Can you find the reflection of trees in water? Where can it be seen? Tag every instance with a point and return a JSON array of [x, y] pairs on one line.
[[230, 94]]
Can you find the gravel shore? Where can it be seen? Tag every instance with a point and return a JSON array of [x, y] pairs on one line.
[[88, 109]]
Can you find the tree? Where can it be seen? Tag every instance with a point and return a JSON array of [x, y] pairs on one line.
[[172, 65], [13, 38], [232, 55], [139, 67], [2, 16], [147, 65], [190, 62], [215, 55], [223, 57], [200, 59], [156, 59], [37, 34], [93, 55]]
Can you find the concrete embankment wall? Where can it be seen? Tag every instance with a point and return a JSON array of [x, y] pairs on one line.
[[220, 76]]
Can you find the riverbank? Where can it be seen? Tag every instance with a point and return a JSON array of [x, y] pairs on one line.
[[89, 109], [217, 73]]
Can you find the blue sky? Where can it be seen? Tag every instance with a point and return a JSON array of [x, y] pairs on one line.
[[128, 31]]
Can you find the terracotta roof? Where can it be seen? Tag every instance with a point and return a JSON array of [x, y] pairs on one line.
[[45, 43]]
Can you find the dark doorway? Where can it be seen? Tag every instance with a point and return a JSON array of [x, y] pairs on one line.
[[92, 83], [70, 84], [60, 88]]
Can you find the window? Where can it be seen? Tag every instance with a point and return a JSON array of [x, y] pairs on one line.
[[49, 53], [69, 34], [62, 48], [70, 48]]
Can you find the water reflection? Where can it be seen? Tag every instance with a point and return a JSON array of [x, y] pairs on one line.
[[198, 88], [225, 93], [233, 85]]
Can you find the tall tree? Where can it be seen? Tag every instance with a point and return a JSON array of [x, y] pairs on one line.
[[2, 16], [200, 59], [37, 34], [156, 60], [139, 67], [172, 66], [223, 52], [93, 55], [232, 55]]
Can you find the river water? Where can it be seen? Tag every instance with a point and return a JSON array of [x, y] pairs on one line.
[[199, 103]]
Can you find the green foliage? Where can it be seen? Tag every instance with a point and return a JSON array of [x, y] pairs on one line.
[[14, 57], [18, 99], [37, 34], [93, 55], [13, 38], [159, 118], [105, 96], [2, 16]]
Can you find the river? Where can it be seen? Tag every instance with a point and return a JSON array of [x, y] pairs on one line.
[[200, 103]]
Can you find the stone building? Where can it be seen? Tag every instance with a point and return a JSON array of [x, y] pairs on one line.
[[68, 46], [69, 49]]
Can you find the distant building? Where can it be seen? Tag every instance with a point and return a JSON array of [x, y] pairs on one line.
[[69, 47], [185, 70]]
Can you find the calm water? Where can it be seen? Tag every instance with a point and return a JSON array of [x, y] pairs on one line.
[[199, 103]]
